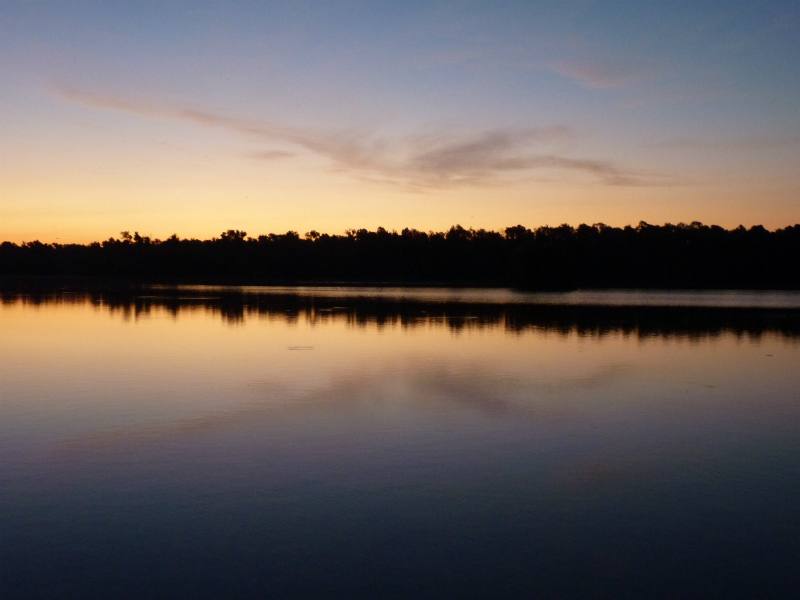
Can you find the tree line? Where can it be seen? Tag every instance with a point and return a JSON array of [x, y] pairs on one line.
[[693, 256]]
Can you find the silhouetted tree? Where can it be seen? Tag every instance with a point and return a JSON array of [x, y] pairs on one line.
[[645, 256]]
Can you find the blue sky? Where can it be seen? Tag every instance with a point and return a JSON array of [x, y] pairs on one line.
[[195, 117]]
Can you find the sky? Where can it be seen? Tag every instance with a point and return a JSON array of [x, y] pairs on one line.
[[198, 117]]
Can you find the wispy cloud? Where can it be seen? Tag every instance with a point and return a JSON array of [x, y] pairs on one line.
[[271, 155], [602, 74], [432, 160], [755, 142]]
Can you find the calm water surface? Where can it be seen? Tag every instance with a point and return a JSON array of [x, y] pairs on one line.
[[192, 443]]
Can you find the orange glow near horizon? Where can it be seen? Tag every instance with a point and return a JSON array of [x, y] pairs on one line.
[[196, 214]]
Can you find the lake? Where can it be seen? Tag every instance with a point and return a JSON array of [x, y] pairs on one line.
[[209, 442]]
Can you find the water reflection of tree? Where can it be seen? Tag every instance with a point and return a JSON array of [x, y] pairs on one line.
[[236, 307]]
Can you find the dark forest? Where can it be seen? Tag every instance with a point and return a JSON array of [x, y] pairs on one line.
[[693, 256]]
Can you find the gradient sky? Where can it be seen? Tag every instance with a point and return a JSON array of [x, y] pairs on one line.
[[194, 117]]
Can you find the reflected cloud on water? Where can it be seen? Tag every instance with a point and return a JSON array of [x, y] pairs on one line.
[[422, 389]]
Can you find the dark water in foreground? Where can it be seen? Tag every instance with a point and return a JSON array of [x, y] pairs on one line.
[[209, 443]]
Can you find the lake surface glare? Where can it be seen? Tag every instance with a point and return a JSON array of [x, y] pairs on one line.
[[211, 442]]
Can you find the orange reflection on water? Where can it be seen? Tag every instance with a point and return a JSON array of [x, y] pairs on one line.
[[92, 370]]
